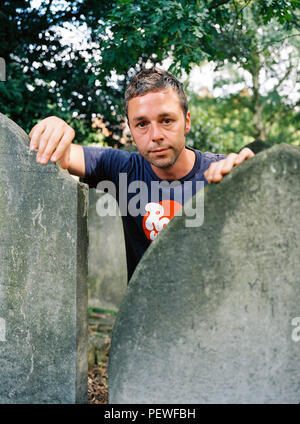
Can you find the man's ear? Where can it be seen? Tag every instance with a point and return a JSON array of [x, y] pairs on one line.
[[187, 123]]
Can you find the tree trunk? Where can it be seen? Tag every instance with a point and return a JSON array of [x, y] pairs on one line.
[[259, 127]]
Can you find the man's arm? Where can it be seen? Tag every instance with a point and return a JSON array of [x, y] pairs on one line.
[[53, 138], [216, 170]]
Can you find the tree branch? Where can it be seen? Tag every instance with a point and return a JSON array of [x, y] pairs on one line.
[[296, 23], [246, 4], [279, 116], [278, 41], [216, 3], [289, 70], [49, 6]]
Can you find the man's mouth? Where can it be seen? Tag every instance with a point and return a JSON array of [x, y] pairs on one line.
[[159, 152]]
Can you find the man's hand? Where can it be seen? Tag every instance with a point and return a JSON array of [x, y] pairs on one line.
[[216, 170], [52, 137]]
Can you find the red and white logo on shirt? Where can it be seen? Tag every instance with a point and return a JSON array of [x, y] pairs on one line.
[[158, 215]]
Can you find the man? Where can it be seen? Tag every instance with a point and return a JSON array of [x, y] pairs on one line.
[[159, 120]]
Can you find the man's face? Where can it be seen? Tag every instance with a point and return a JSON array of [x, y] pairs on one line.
[[158, 127]]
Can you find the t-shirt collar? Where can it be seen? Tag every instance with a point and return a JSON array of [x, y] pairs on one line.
[[187, 176]]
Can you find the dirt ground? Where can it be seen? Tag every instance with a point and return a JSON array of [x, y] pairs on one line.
[[100, 327], [97, 384]]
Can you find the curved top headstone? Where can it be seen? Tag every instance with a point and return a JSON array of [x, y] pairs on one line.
[[16, 155], [211, 313], [43, 292]]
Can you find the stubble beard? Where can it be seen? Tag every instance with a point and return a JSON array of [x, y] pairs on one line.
[[163, 163]]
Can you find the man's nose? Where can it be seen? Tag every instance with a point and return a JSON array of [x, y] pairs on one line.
[[156, 132]]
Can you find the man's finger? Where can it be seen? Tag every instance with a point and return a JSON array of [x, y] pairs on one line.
[[225, 166], [216, 170], [208, 174], [243, 155], [32, 130], [35, 135], [52, 144], [228, 163], [63, 144], [43, 143], [221, 168]]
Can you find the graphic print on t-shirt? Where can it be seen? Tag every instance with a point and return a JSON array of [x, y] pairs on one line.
[[158, 215]]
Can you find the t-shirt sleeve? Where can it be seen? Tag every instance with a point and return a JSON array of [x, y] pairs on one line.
[[103, 163], [214, 157], [207, 158]]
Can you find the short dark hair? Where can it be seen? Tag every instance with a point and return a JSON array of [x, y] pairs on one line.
[[154, 79]]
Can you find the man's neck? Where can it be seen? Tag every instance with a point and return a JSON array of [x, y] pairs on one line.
[[182, 166]]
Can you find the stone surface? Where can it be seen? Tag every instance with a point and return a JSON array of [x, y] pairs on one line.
[[107, 278], [43, 270], [209, 313]]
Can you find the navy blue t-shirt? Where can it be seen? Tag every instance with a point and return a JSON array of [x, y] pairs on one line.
[[147, 203]]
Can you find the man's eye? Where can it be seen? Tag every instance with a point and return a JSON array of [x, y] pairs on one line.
[[167, 121], [141, 124]]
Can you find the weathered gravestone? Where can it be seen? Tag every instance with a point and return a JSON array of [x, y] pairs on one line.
[[210, 313], [107, 279], [43, 288]]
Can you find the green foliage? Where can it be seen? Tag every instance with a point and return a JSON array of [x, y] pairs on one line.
[[138, 30], [226, 124], [259, 110], [92, 311], [44, 75], [217, 125], [247, 34]]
